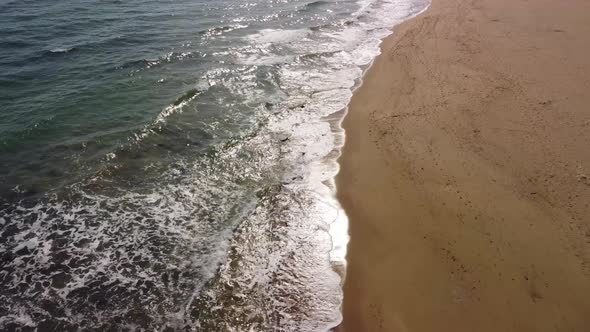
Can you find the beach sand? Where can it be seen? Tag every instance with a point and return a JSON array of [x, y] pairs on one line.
[[466, 172]]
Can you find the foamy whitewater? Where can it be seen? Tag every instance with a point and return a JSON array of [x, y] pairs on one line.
[[183, 181]]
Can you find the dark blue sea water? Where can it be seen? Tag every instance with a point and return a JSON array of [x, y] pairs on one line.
[[168, 165]]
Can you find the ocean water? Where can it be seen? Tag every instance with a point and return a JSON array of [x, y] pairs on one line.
[[168, 165]]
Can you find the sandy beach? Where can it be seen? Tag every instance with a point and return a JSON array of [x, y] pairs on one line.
[[466, 172]]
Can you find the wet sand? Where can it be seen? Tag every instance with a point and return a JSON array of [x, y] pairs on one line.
[[466, 172]]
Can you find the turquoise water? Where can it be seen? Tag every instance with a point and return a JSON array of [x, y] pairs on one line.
[[168, 165]]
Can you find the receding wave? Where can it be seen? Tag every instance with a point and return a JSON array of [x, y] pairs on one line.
[[281, 36], [187, 96], [160, 119], [315, 5], [316, 55], [328, 26], [219, 30], [36, 56], [62, 50], [169, 57]]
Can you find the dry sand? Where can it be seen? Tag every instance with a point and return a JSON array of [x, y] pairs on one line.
[[466, 172]]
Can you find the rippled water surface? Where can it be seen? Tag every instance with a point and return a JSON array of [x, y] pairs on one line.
[[168, 165]]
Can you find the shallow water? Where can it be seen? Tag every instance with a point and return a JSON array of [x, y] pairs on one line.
[[170, 164]]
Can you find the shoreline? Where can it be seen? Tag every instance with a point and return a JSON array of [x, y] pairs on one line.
[[462, 215]]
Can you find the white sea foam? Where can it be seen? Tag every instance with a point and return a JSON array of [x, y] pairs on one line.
[[319, 89], [61, 50], [278, 36]]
